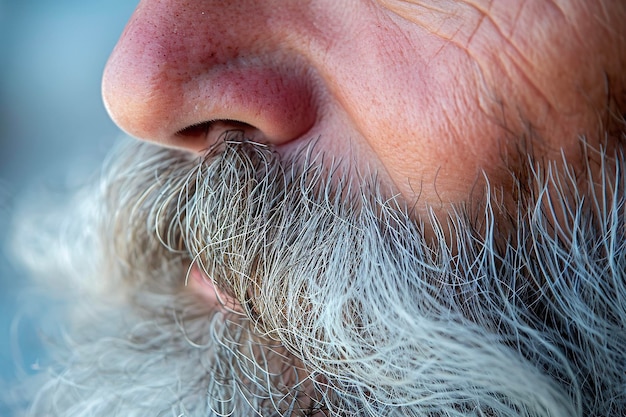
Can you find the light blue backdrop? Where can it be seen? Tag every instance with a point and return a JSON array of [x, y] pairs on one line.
[[52, 53]]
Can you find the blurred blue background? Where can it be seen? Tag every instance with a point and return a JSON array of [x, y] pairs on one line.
[[52, 54]]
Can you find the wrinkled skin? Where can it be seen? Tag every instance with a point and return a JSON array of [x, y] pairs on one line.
[[428, 94]]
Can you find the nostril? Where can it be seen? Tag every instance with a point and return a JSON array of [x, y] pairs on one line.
[[214, 128], [195, 131]]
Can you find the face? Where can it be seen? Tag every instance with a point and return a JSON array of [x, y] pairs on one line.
[[431, 97], [358, 208]]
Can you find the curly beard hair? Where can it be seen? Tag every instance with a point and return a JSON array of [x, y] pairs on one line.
[[347, 309]]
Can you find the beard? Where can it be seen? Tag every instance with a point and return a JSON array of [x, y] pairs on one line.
[[350, 304]]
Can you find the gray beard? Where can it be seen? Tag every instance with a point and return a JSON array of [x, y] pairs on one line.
[[348, 310]]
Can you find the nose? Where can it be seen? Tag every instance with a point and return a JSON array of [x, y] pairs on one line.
[[184, 71]]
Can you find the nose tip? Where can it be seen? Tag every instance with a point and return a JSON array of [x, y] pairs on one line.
[[182, 88]]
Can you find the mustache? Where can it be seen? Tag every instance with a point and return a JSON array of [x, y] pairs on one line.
[[244, 215], [348, 309]]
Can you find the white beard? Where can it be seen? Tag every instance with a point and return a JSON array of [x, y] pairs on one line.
[[349, 310]]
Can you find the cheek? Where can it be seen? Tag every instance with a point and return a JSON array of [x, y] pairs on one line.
[[416, 103]]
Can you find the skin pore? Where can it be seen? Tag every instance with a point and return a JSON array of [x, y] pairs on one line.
[[430, 97], [350, 208]]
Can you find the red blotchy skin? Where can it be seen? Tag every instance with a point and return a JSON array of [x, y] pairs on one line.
[[429, 95]]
